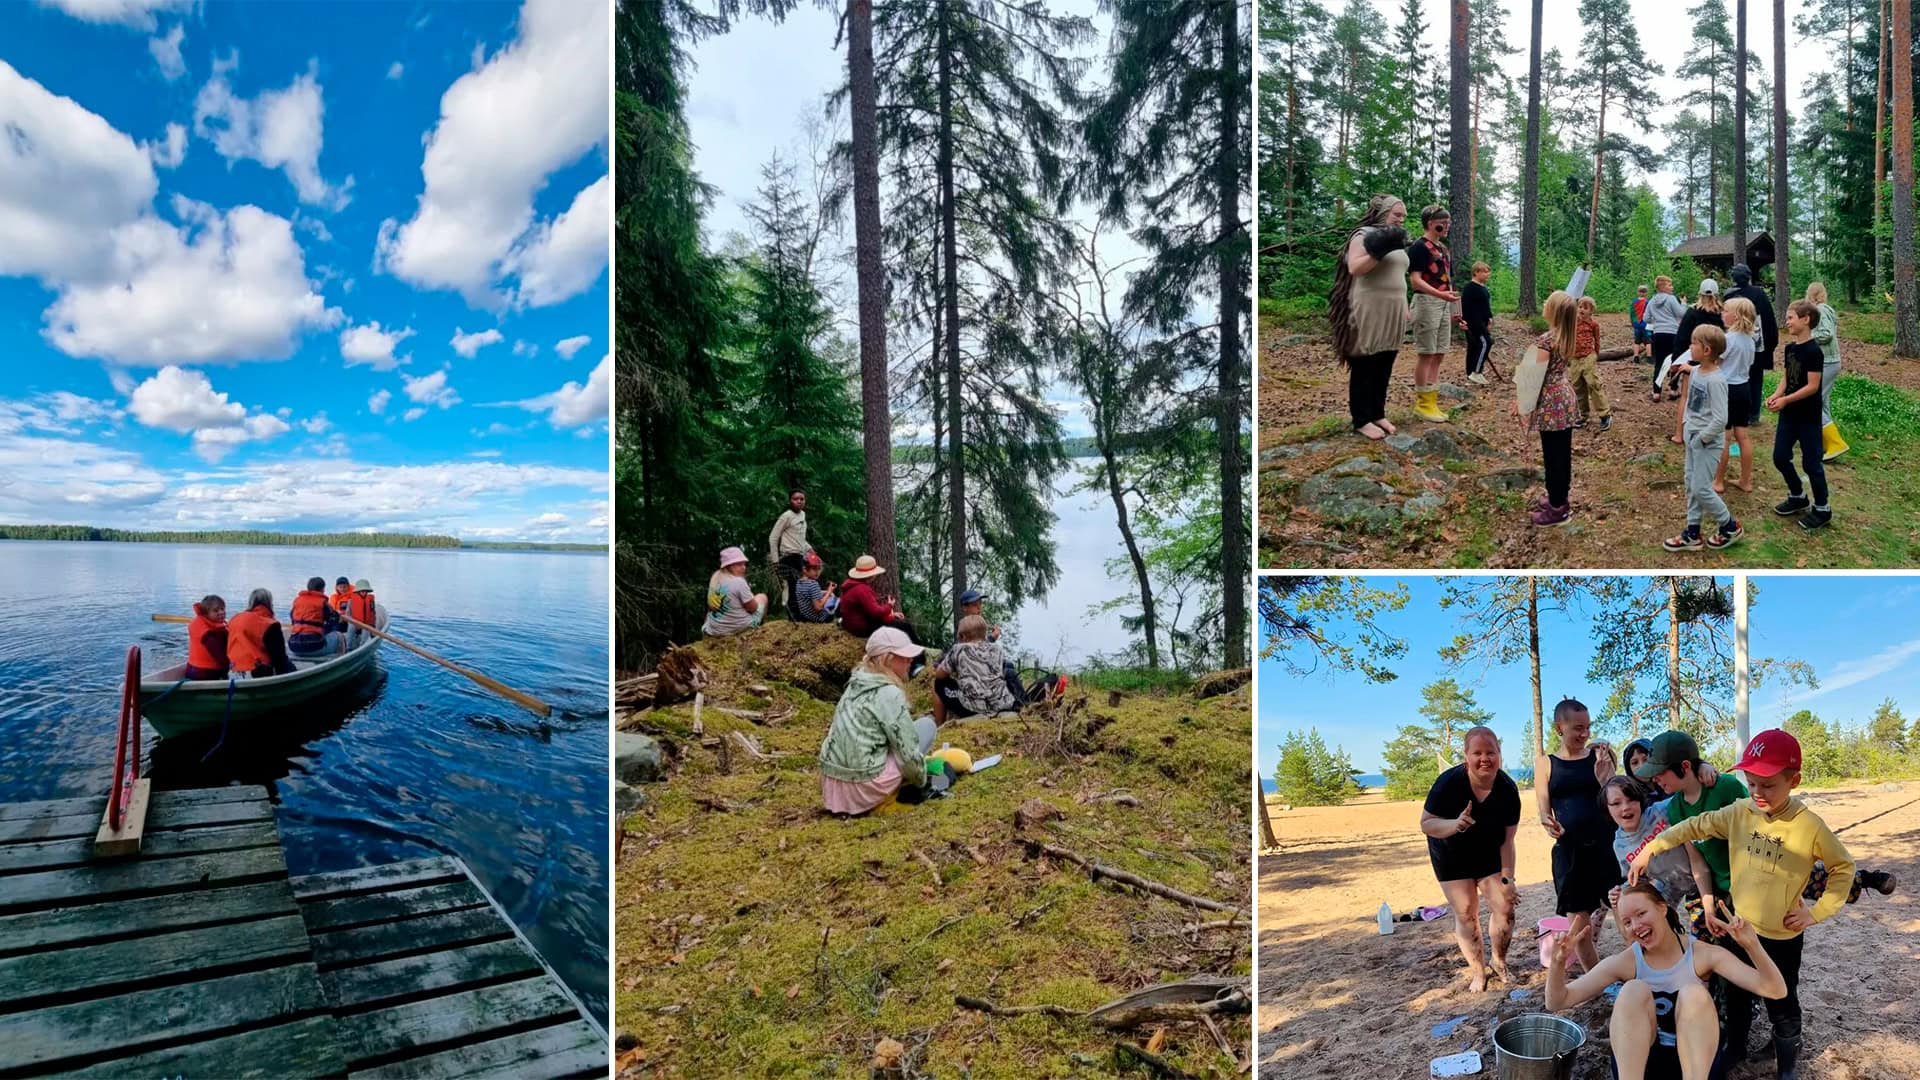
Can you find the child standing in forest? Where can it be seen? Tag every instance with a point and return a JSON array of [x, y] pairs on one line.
[[1706, 443], [1797, 400], [1476, 309], [1642, 340], [1553, 416], [1738, 368], [1589, 395], [1430, 272], [1663, 313]]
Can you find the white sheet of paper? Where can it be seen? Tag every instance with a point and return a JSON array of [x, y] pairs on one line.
[[1529, 376], [1577, 284]]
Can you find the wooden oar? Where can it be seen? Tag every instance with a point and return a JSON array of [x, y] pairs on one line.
[[539, 707]]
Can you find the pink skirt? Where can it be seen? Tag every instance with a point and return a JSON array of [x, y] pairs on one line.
[[858, 797]]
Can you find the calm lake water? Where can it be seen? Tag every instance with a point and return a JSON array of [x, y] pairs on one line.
[[1059, 631], [416, 761]]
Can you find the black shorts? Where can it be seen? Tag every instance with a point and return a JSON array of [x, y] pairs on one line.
[[1583, 875], [1642, 336], [1470, 865], [948, 691]]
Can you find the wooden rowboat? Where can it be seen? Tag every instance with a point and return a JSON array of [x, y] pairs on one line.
[[176, 705]]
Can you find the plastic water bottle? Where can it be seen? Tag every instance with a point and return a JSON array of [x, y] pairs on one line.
[[1386, 919]]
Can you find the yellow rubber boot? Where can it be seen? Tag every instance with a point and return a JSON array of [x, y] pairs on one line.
[[1426, 405], [1831, 444]]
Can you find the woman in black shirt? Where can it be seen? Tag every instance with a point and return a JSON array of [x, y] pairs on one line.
[[1470, 817]]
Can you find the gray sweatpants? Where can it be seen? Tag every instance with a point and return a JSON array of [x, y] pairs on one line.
[[1702, 462], [1828, 372]]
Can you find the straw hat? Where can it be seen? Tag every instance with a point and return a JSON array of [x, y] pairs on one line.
[[865, 566], [731, 556]]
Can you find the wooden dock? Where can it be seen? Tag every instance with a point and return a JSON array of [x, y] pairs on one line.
[[200, 957]]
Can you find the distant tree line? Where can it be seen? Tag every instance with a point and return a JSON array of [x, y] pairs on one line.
[[262, 538]]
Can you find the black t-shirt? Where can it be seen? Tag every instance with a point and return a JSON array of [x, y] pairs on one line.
[[1695, 318], [1769, 327], [1477, 851], [1476, 305], [1431, 261], [1802, 359]]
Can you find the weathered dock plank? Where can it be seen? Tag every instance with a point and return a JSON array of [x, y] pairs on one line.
[[565, 1050], [167, 815], [469, 965], [309, 1047], [366, 879], [42, 977], [85, 923], [368, 908], [390, 939], [461, 1016], [162, 800], [78, 851], [125, 879]]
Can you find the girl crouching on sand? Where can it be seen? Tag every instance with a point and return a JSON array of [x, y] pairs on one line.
[[1663, 1021]]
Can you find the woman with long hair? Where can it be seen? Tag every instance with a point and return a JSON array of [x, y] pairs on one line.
[[1368, 310], [1663, 1019]]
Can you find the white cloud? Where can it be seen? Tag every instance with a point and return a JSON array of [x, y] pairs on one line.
[[566, 347], [170, 150], [334, 445], [134, 14], [213, 444], [317, 424], [280, 129], [564, 258], [431, 389], [373, 346], [70, 407], [67, 179], [573, 404], [525, 348], [178, 400], [377, 404], [70, 480], [396, 70], [530, 110], [413, 414], [219, 288], [166, 52], [182, 401], [467, 344]]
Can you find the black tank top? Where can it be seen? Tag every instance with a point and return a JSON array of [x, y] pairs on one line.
[[1575, 795]]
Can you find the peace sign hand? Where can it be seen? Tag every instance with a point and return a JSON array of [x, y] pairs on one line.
[[1737, 928], [1567, 942]]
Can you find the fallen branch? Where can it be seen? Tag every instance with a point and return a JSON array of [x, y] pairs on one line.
[[1097, 870], [1126, 1053], [744, 714], [751, 748], [931, 868], [988, 1007], [699, 728]]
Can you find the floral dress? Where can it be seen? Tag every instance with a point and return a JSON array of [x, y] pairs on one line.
[[1556, 409]]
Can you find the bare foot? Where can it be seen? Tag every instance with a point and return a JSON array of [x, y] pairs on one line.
[[1387, 426], [1477, 984], [1371, 431], [1503, 973], [1743, 485], [1676, 440], [1720, 486]]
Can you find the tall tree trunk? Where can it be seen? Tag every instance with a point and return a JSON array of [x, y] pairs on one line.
[[1293, 149], [1533, 637], [1233, 461], [1599, 160], [1906, 301], [1473, 169], [1529, 300], [1673, 653], [1880, 157], [1148, 625], [1267, 839], [876, 403], [1713, 140], [950, 257], [1459, 149], [1740, 133], [1782, 276]]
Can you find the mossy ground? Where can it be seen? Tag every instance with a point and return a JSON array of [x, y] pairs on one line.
[[766, 938]]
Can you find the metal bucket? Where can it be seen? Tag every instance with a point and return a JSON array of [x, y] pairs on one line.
[[1537, 1046]]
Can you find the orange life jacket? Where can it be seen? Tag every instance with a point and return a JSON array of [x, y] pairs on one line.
[[247, 638], [342, 599], [199, 655], [363, 606], [309, 613]]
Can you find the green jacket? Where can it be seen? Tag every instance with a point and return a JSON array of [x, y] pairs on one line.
[[871, 719], [1827, 335]]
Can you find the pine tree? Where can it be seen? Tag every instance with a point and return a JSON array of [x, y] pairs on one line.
[[1709, 66], [1166, 136], [1530, 177], [876, 399], [1309, 774], [1887, 727], [1611, 57], [1906, 293], [1487, 49]]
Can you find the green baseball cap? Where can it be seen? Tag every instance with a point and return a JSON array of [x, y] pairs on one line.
[[1668, 749]]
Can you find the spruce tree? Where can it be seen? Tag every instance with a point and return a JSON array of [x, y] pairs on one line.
[[1611, 57]]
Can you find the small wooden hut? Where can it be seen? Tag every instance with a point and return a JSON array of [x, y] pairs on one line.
[[1715, 253]]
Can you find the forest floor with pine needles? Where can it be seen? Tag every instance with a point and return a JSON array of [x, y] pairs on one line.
[[758, 936], [1461, 501]]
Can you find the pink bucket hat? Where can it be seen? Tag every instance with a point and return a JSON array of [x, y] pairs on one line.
[[730, 556]]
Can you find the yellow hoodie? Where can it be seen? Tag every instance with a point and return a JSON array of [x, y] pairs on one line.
[[1769, 860]]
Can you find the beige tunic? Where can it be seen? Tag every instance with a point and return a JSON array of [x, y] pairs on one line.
[[1378, 306]]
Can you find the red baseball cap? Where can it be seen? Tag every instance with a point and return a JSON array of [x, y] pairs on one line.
[[1769, 753]]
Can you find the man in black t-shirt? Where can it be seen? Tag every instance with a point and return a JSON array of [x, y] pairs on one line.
[[1797, 400], [1470, 817], [1768, 332]]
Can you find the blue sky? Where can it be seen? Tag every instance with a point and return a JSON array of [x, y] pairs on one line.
[[1824, 620], [305, 266]]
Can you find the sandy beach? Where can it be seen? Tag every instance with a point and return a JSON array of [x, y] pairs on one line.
[[1337, 1000]]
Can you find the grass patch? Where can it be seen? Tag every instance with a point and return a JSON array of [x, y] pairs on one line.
[[1873, 327], [1293, 315], [1135, 680], [758, 937], [1323, 428]]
